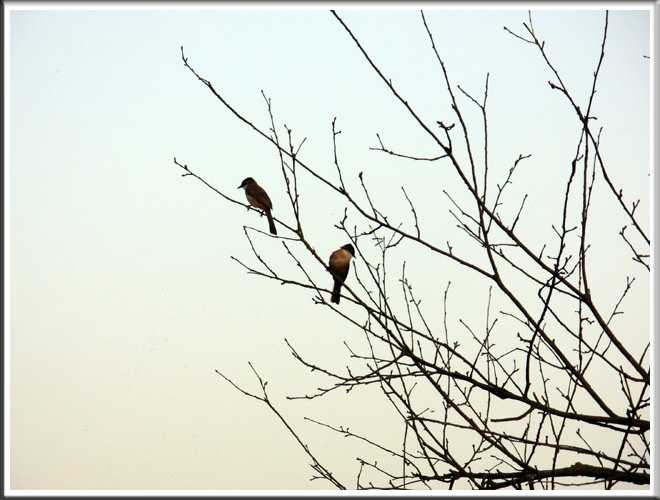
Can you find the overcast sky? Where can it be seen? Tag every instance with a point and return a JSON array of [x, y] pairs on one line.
[[123, 297]]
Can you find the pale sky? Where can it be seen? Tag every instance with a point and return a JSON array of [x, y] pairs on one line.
[[123, 298]]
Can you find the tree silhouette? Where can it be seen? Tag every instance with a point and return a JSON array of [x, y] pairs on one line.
[[549, 390]]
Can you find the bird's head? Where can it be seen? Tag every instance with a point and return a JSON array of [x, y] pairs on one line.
[[246, 181]]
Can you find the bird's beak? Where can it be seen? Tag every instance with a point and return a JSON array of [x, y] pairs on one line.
[[239, 187]]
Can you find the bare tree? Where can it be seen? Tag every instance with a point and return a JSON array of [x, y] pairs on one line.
[[545, 390]]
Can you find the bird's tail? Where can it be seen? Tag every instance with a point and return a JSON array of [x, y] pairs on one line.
[[335, 292], [271, 222]]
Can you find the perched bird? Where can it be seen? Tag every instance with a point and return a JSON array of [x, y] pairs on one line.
[[340, 262], [258, 198]]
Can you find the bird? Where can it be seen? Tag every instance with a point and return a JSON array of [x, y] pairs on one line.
[[340, 262], [258, 198]]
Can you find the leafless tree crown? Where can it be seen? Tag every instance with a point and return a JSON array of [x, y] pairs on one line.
[[550, 391]]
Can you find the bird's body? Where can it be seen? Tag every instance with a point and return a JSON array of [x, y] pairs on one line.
[[340, 262], [258, 198]]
